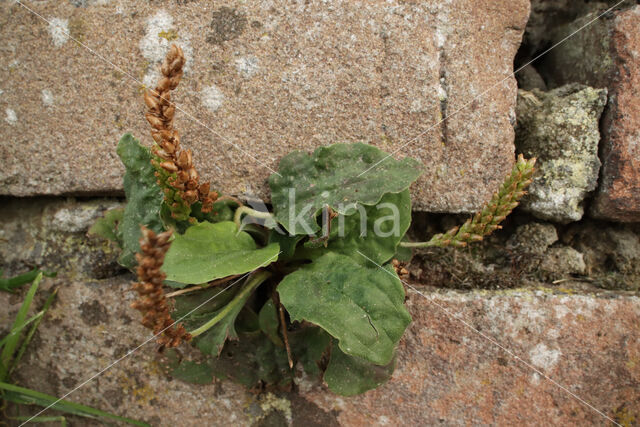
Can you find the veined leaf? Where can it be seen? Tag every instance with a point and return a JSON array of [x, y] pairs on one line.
[[252, 361], [308, 345], [144, 197], [212, 334], [191, 372], [337, 176], [373, 230], [269, 322], [350, 375], [362, 307], [209, 251], [287, 243]]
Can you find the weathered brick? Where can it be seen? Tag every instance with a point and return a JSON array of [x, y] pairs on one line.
[[267, 80], [607, 54]]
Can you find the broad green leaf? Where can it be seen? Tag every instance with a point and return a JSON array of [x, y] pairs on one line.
[[308, 345], [193, 372], [253, 361], [269, 322], [209, 251], [6, 356], [373, 230], [200, 304], [349, 375], [212, 334], [144, 197], [360, 306], [187, 370], [337, 176], [287, 243], [107, 226], [16, 394]]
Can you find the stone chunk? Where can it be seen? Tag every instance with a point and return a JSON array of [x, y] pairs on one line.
[[563, 261], [560, 128], [260, 82], [607, 54], [533, 238]]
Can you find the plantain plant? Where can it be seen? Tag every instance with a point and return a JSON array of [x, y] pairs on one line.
[[314, 283]]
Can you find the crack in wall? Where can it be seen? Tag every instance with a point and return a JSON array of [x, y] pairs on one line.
[[443, 93]]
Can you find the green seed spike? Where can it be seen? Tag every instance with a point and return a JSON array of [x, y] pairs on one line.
[[493, 213]]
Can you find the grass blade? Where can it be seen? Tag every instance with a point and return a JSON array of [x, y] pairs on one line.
[[32, 331], [11, 343], [17, 330], [14, 282], [16, 394], [61, 419]]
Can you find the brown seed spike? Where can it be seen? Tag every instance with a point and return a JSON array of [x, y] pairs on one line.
[[169, 166], [184, 186], [151, 100], [152, 302]]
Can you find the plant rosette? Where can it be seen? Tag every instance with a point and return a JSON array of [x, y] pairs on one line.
[[312, 284]]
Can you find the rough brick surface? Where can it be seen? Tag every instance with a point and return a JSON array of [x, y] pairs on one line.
[[267, 79], [607, 54], [619, 194], [446, 372]]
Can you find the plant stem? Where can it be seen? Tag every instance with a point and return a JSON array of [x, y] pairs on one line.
[[252, 283], [251, 212], [198, 287], [285, 335], [417, 244]]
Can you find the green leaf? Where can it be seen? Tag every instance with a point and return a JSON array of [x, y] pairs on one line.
[[16, 330], [209, 251], [202, 303], [192, 372], [32, 330], [348, 375], [308, 346], [16, 394], [11, 283], [336, 176], [373, 230], [269, 322], [144, 197], [220, 211], [211, 336], [253, 361], [247, 321], [62, 420], [360, 306], [107, 226], [287, 243], [7, 356]]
